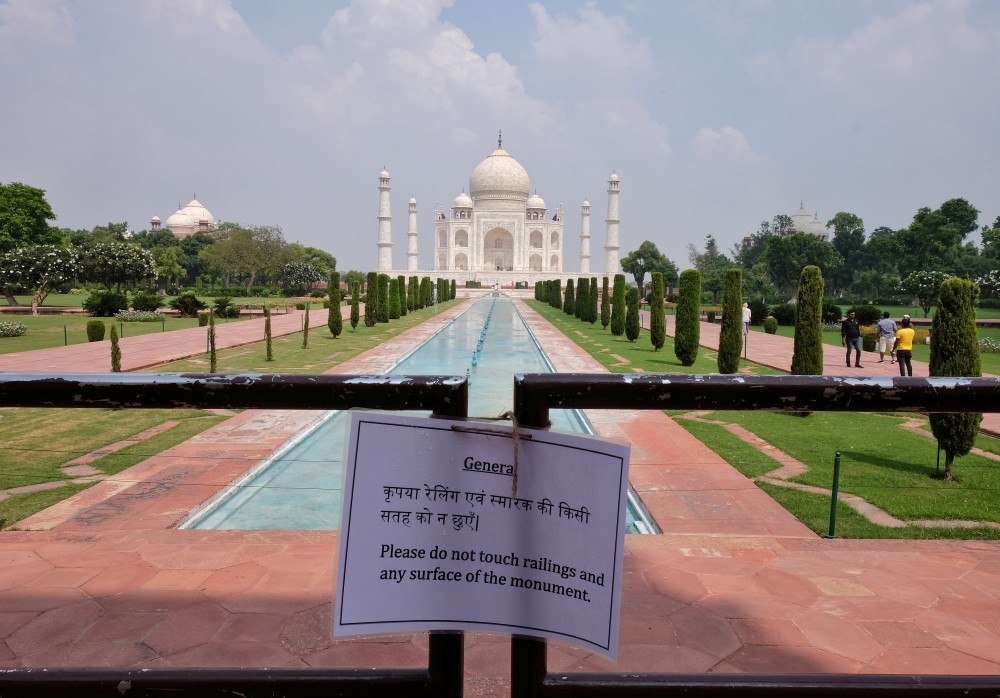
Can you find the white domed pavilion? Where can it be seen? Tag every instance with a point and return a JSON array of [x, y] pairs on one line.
[[186, 220]]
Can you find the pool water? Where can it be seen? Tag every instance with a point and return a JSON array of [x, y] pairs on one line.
[[299, 487]]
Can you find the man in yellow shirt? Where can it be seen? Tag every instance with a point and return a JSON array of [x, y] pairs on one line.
[[903, 347]]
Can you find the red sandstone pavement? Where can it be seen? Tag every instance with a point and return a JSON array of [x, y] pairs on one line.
[[734, 584]]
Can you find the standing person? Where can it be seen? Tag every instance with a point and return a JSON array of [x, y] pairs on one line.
[[886, 337], [850, 336], [904, 346], [746, 318]]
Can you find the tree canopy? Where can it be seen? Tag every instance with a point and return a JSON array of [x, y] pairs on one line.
[[24, 217], [646, 260]]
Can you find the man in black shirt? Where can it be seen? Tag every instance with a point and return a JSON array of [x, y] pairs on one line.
[[850, 336]]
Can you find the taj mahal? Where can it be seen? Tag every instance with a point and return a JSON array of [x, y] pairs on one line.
[[498, 232]]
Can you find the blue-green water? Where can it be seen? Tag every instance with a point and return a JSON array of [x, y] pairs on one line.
[[300, 487]]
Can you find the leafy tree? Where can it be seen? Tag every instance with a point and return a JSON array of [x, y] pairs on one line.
[[24, 217], [632, 314], [849, 241], [923, 287], [955, 352], [245, 252], [646, 260], [687, 328], [355, 279], [371, 300], [990, 281], [731, 332], [657, 319], [618, 306], [569, 301], [750, 250], [167, 262], [713, 266], [592, 304], [335, 321], [38, 268], [787, 255], [605, 303], [807, 348], [934, 237], [355, 302], [300, 274], [116, 264]]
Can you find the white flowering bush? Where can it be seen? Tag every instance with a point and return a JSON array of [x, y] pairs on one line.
[[139, 316], [12, 329], [116, 263], [988, 345], [38, 268], [990, 280], [924, 287]]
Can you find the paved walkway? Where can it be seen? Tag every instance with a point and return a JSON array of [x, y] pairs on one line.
[[734, 584]]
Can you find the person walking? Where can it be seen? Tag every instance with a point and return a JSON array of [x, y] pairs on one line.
[[746, 319], [886, 328], [850, 336], [904, 346]]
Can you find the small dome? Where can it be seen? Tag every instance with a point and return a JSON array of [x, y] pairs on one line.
[[586, 203], [613, 177], [499, 176], [197, 212], [412, 200], [179, 220], [384, 174], [462, 201], [535, 201], [154, 219]]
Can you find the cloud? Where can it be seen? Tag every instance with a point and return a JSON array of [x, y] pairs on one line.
[[726, 143], [35, 22]]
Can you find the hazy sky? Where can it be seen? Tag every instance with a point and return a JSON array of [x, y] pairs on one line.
[[716, 115]]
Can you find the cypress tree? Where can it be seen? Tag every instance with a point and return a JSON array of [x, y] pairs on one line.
[[411, 294], [731, 332], [605, 304], [213, 357], [454, 290], [268, 349], [632, 314], [618, 306], [807, 349], [582, 298], [657, 320], [426, 292], [687, 330], [401, 287], [382, 307], [335, 321], [393, 299], [569, 304], [355, 303], [305, 328], [116, 352], [955, 352], [555, 293], [538, 290], [371, 300], [592, 307]]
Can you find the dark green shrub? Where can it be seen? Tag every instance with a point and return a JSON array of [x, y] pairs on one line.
[[103, 303], [632, 314], [710, 316], [807, 349], [203, 320], [335, 321], [222, 304], [569, 303], [316, 293], [401, 291], [371, 300], [770, 325], [869, 339], [382, 302], [758, 311], [148, 301], [592, 308], [657, 319], [784, 313], [187, 304], [582, 298], [300, 305], [832, 314], [687, 332], [268, 347], [618, 306], [731, 332], [116, 351], [867, 314], [95, 331], [355, 309], [955, 352], [393, 299]]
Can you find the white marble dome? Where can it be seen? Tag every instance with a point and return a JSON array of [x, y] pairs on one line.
[[499, 176], [535, 201], [462, 201]]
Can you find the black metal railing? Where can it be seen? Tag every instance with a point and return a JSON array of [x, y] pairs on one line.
[[536, 394]]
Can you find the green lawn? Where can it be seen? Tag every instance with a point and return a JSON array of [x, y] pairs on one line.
[[888, 466]]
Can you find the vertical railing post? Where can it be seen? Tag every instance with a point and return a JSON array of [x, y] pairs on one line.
[[833, 497], [527, 655]]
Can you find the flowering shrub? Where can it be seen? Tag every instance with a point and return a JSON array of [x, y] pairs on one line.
[[12, 329], [988, 345], [139, 316]]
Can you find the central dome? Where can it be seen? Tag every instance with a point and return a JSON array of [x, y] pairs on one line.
[[499, 176]]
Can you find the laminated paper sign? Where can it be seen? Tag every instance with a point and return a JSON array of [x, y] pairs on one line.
[[434, 536]]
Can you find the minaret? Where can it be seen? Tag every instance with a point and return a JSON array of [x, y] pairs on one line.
[[585, 238], [411, 237], [384, 223], [611, 248]]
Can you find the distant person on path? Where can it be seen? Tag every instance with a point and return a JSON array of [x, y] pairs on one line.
[[850, 336], [746, 319], [904, 346], [886, 337]]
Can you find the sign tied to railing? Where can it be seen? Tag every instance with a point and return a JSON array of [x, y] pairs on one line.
[[434, 538]]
